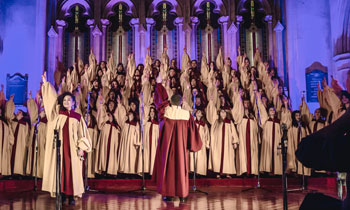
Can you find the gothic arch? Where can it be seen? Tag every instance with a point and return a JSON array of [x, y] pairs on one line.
[[342, 28], [67, 5], [265, 4], [176, 7], [219, 7], [108, 11]]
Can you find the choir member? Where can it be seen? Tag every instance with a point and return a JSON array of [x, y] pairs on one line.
[[247, 125], [75, 140], [297, 130], [21, 129], [109, 120], [129, 161], [6, 140], [150, 138], [223, 142], [201, 156], [91, 156], [178, 135]]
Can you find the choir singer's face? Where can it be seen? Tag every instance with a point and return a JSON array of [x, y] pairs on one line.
[[272, 112], [344, 100], [199, 115], [68, 102], [19, 115], [223, 114], [297, 116], [246, 104], [152, 114], [317, 114]]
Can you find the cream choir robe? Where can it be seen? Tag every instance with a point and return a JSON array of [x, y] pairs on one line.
[[42, 130], [6, 144], [130, 161], [247, 160], [33, 114], [223, 136], [222, 153], [78, 138], [201, 155], [150, 142], [270, 154], [108, 144], [314, 125], [295, 134], [21, 133], [93, 131]]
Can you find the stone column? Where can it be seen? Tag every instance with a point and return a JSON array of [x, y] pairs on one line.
[[148, 36], [60, 25], [97, 34], [134, 22], [180, 39], [239, 19], [268, 19], [194, 24], [232, 43], [187, 40], [52, 53], [90, 23], [223, 21], [279, 43], [142, 44], [105, 23]]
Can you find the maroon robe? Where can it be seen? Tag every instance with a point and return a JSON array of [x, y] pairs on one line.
[[171, 165]]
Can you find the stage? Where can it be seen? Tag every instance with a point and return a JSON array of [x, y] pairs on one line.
[[114, 194]]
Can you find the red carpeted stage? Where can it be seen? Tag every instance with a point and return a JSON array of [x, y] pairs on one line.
[[114, 194]]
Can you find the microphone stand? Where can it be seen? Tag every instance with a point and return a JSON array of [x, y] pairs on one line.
[[86, 183], [36, 155], [57, 145], [283, 147], [143, 185], [87, 187], [194, 187], [258, 186], [303, 186]]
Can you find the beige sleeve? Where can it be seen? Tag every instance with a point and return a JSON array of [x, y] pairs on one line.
[[185, 60], [32, 110], [211, 112], [49, 100], [84, 139], [9, 110], [220, 61], [237, 110], [305, 112], [102, 117], [120, 115]]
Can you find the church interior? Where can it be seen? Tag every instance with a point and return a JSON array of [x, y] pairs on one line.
[[257, 77]]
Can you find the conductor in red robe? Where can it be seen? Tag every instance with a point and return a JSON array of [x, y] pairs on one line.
[[178, 135]]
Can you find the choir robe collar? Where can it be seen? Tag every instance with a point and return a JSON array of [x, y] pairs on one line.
[[113, 124], [227, 121], [153, 122], [275, 120], [43, 120], [200, 122], [318, 121], [21, 121], [70, 114], [134, 122]]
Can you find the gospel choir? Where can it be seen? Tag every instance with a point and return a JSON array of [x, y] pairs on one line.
[[239, 115]]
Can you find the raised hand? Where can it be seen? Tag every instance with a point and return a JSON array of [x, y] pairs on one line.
[[30, 94], [43, 77], [2, 87]]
